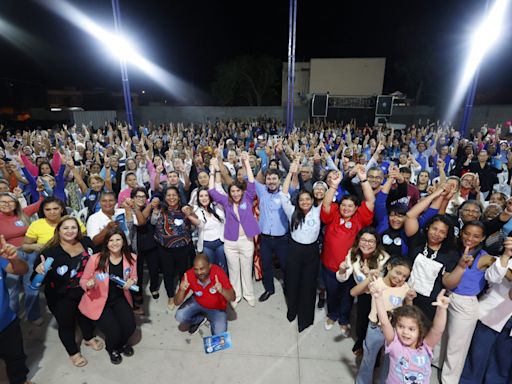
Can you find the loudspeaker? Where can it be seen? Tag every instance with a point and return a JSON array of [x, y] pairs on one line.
[[319, 105], [384, 106]]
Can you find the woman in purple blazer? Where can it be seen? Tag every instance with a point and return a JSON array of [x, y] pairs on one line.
[[239, 229]]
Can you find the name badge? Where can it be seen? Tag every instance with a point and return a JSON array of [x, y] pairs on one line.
[[198, 293], [19, 223]]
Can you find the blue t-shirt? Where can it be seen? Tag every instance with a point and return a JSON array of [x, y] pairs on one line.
[[7, 316]]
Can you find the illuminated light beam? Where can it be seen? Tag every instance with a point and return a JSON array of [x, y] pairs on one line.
[[121, 48], [22, 40], [485, 36]]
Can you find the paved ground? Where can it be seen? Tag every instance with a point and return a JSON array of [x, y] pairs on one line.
[[267, 349]]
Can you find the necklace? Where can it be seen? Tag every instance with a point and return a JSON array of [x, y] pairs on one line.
[[425, 253]]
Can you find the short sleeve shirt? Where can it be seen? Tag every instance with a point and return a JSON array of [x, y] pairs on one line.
[[207, 296], [408, 365]]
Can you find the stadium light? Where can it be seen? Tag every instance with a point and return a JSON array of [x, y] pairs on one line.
[[482, 40], [121, 48]]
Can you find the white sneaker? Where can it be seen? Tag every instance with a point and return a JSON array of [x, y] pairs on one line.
[[328, 324], [345, 330], [251, 302]]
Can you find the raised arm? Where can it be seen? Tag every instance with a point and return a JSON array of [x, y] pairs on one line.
[[369, 196], [411, 225], [385, 324], [293, 171], [436, 332], [245, 162], [329, 195]]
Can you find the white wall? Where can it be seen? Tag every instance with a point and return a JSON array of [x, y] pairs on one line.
[[350, 77]]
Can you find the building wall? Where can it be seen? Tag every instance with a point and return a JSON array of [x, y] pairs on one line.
[[162, 114], [350, 77], [301, 85]]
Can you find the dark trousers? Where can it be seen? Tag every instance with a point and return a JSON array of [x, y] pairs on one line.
[[339, 301], [300, 279], [269, 245], [153, 260], [11, 351], [363, 308], [117, 323], [174, 261], [65, 310], [489, 358]]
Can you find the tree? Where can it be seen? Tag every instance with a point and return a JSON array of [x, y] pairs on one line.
[[247, 80]]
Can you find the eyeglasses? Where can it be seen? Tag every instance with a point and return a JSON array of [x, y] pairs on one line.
[[475, 211], [374, 177], [140, 196], [368, 241], [7, 202]]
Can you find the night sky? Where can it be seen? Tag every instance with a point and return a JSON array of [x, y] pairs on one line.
[[189, 38]]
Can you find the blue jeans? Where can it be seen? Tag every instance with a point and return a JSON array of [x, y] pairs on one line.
[[269, 245], [373, 342], [488, 360], [339, 301], [31, 297], [215, 252], [190, 312]]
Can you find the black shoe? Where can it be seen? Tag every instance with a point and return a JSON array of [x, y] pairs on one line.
[[264, 296], [321, 302], [127, 350], [115, 357], [195, 327], [155, 295]]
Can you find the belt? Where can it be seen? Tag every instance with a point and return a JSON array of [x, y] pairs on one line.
[[271, 236]]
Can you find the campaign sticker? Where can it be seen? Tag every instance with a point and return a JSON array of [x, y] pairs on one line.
[[127, 271], [178, 222], [101, 276], [72, 273], [213, 291], [243, 206], [19, 223], [348, 224], [198, 293], [62, 270]]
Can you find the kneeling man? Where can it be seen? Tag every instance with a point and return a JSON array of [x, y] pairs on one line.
[[211, 291]]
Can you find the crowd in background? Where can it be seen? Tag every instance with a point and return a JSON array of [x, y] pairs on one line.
[[413, 221]]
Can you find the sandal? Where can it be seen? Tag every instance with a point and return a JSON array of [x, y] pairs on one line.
[[95, 344], [78, 360]]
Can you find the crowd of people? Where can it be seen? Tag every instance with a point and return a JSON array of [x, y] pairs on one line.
[[413, 224]]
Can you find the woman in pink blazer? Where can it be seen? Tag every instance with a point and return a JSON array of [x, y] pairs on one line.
[[105, 301]]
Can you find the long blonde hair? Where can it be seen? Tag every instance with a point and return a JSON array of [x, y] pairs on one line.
[[55, 240], [18, 211]]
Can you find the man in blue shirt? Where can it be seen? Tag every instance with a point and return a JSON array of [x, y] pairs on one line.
[[274, 228], [11, 341]]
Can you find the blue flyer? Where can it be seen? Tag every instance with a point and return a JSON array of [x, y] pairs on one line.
[[217, 342]]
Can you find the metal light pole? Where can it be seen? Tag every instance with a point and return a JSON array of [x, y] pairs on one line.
[[124, 71], [291, 65]]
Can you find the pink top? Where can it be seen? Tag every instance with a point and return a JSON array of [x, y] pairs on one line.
[[123, 195], [34, 169], [152, 173], [94, 299], [13, 228], [408, 365]]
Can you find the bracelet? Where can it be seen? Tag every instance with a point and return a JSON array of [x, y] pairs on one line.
[[363, 181]]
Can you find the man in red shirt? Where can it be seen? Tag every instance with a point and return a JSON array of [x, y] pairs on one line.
[[211, 291]]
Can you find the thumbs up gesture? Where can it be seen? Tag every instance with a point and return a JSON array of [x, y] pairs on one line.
[[184, 283], [218, 285]]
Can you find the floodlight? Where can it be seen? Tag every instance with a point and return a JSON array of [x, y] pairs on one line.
[[484, 37]]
